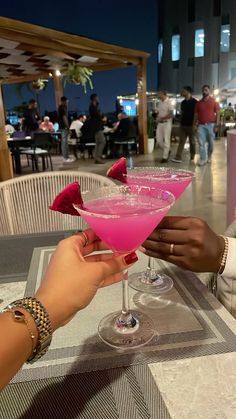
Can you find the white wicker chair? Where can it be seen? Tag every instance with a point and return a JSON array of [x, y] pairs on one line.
[[24, 202]]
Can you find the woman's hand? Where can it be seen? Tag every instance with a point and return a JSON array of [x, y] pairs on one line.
[[187, 242], [73, 277]]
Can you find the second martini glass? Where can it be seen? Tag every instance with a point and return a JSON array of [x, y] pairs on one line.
[[123, 217], [174, 181]]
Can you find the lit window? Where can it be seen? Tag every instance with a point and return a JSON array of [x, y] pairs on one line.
[[175, 47], [225, 38], [160, 51], [199, 43]]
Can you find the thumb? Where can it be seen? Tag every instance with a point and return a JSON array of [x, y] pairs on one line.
[[117, 264]]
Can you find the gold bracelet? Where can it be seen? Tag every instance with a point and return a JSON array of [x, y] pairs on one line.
[[19, 317], [224, 256], [42, 322]]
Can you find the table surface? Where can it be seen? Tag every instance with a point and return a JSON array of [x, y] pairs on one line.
[[187, 371]]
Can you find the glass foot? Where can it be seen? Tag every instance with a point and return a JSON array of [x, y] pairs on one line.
[[154, 283], [137, 331]]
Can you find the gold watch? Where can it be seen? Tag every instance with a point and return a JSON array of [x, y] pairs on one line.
[[41, 319]]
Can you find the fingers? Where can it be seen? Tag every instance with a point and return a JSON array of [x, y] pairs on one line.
[[99, 257], [86, 237], [176, 260], [110, 280], [175, 229], [94, 247], [174, 222], [164, 248], [113, 265]]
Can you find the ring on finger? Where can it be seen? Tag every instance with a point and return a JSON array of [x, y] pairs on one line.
[[172, 248], [86, 239]]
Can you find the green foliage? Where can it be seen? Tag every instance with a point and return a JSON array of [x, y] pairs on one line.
[[35, 86], [150, 126], [76, 74]]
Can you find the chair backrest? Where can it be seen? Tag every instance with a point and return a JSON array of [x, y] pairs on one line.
[[42, 139], [24, 202]]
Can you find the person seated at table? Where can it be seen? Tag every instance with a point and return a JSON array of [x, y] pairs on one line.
[[76, 134], [123, 130], [46, 125], [191, 244], [9, 129], [88, 136], [18, 133], [69, 284]]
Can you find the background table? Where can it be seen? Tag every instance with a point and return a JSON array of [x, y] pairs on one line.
[[14, 144], [188, 371]]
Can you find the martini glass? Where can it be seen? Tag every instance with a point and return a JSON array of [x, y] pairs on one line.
[[174, 181], [123, 217]]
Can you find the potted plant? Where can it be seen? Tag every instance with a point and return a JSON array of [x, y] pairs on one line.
[[150, 133], [39, 85], [76, 74]]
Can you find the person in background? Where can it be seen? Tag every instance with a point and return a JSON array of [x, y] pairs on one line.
[[206, 120], [70, 283], [46, 125], [164, 124], [191, 244], [9, 129], [96, 123], [31, 118], [186, 125], [229, 113], [76, 134], [18, 133], [125, 127], [77, 124], [64, 127]]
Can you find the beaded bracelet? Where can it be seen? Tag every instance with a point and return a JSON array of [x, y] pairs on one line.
[[224, 256]]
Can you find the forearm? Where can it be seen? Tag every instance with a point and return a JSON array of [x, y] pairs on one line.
[[16, 345]]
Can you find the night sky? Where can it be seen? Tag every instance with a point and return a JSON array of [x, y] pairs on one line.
[[131, 24]]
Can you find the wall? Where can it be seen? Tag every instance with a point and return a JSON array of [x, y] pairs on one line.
[[215, 68]]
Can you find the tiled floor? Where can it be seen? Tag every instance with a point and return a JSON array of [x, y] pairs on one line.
[[205, 198]]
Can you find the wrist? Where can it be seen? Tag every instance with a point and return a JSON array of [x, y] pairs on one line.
[[53, 309]]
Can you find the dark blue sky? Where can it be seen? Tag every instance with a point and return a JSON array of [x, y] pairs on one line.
[[131, 24]]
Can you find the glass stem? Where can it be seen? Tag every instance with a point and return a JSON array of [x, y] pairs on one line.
[[125, 320], [149, 269], [125, 293]]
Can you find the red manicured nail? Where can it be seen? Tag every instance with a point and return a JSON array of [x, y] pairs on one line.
[[130, 258]]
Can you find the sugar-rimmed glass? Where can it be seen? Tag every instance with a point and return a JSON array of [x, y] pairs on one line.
[[124, 216]]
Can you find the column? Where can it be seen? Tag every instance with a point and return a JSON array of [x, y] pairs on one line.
[[142, 106], [6, 171]]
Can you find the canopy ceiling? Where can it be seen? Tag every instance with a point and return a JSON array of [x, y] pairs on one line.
[[29, 52]]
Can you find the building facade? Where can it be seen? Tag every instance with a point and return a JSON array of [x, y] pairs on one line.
[[197, 44]]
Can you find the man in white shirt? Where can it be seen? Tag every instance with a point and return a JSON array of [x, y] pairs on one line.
[[164, 124], [76, 134], [191, 244], [77, 125]]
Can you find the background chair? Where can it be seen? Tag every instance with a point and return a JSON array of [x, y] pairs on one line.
[[42, 143], [24, 202]]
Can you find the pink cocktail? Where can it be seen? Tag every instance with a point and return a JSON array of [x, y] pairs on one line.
[[167, 179], [124, 216], [121, 218], [174, 181]]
